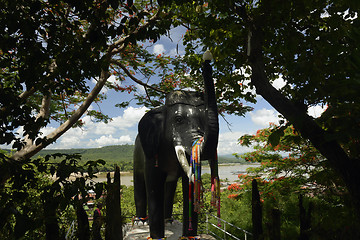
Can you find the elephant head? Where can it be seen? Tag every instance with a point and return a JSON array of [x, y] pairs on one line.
[[166, 136]]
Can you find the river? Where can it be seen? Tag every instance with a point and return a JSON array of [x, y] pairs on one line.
[[227, 172]]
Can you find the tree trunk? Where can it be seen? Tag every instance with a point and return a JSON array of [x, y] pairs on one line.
[[51, 223], [83, 222], [297, 115], [305, 220], [256, 212], [275, 232]]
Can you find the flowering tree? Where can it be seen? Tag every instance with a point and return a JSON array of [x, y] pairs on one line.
[[293, 177], [293, 165]]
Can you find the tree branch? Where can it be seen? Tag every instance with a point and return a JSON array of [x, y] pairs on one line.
[[45, 107], [134, 78], [26, 153], [120, 44], [43, 114]]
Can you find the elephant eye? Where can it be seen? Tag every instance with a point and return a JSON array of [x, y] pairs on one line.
[[179, 119]]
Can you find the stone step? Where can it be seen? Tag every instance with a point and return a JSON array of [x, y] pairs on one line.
[[173, 231]]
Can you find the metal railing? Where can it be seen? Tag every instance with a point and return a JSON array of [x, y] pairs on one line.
[[71, 231], [222, 228]]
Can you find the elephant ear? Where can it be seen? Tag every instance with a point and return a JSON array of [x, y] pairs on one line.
[[150, 130]]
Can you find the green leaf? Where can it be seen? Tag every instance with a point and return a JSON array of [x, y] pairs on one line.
[[99, 187], [274, 137], [101, 161]]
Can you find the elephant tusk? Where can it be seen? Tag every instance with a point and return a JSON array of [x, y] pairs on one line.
[[180, 153]]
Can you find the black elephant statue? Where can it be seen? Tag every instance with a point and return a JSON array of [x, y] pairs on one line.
[[163, 149]]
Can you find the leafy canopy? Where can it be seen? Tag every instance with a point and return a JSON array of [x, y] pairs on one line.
[[312, 46], [289, 165], [50, 50]]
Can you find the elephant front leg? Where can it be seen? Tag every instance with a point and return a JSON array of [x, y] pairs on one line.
[[190, 217], [170, 189], [155, 185]]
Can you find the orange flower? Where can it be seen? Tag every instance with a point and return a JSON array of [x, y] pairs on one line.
[[233, 196]]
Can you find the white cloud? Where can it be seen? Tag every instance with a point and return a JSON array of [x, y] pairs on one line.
[[228, 143], [73, 138], [110, 140], [177, 34], [279, 83], [67, 141], [174, 52], [264, 116], [46, 131], [104, 128], [121, 130], [159, 49], [130, 118], [112, 80], [140, 88], [316, 111]]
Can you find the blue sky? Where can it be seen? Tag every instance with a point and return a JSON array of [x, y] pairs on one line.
[[123, 127]]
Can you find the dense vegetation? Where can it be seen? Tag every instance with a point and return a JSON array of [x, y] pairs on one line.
[[42, 201]]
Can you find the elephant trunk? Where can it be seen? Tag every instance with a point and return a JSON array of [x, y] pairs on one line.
[[211, 137]]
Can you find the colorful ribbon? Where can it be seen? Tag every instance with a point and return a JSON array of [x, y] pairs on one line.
[[215, 195], [191, 237], [195, 165], [137, 219], [195, 188]]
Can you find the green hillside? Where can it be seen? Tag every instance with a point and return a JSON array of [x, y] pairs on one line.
[[119, 154], [122, 155], [229, 158], [108, 153]]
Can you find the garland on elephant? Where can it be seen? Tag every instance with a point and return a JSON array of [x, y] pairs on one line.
[[195, 191]]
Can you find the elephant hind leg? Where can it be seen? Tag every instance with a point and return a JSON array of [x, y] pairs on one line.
[[155, 184], [140, 197], [139, 181]]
